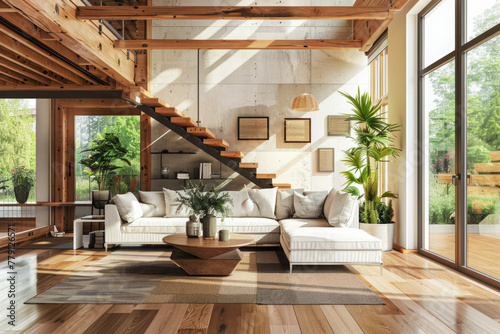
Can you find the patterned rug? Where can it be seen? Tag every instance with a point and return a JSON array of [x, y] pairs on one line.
[[137, 276]]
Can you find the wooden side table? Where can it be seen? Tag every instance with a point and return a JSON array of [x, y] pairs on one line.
[[78, 230], [211, 257]]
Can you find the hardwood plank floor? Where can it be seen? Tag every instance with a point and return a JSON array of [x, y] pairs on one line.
[[421, 296]]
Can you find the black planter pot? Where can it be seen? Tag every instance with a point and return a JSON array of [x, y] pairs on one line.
[[22, 193]]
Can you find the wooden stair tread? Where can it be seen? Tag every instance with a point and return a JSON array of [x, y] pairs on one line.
[[169, 112], [216, 142], [266, 176], [232, 154], [282, 185], [201, 132], [154, 102], [136, 94], [249, 165], [183, 121]]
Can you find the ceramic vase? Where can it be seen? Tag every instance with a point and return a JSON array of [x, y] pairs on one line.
[[209, 226], [22, 193]]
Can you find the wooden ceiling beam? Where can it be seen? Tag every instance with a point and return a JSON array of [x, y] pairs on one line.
[[58, 17], [164, 44], [9, 80], [24, 72], [231, 13], [367, 31], [43, 60], [13, 57], [19, 77]]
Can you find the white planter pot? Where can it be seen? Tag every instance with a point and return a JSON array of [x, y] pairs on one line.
[[384, 232]]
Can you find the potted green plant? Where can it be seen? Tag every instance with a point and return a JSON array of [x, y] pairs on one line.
[[23, 180], [104, 153], [374, 144], [205, 204]]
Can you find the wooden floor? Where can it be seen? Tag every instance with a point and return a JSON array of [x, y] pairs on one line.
[[421, 297], [483, 251]]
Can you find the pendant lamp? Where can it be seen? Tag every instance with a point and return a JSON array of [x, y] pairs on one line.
[[305, 102]]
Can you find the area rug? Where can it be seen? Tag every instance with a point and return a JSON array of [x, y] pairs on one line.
[[133, 276]]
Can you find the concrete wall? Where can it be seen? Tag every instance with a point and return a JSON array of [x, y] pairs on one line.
[[258, 83]]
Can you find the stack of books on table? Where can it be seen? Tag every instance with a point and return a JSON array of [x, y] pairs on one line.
[[96, 239], [205, 170]]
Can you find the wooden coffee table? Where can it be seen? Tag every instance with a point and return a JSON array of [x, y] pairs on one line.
[[210, 257]]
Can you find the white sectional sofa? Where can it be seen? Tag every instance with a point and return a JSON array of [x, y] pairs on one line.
[[305, 240]]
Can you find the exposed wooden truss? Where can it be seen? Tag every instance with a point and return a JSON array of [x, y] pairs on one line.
[[231, 13], [58, 18], [238, 44]]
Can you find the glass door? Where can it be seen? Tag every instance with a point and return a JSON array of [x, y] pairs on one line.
[[483, 158]]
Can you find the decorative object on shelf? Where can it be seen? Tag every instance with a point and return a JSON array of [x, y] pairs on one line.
[[374, 139], [164, 172], [193, 227], [247, 205], [305, 102], [205, 203], [297, 130], [224, 235], [326, 160], [339, 126], [99, 199], [56, 233], [23, 180], [253, 128], [104, 152]]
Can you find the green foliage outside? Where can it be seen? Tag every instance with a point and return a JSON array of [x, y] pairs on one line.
[[483, 124], [202, 202], [127, 129], [17, 143]]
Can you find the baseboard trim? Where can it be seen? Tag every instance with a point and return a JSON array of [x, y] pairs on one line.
[[403, 250]]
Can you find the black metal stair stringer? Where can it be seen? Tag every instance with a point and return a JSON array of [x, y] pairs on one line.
[[199, 143]]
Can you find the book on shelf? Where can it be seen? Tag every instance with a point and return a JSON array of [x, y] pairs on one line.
[[182, 176], [97, 217], [207, 170]]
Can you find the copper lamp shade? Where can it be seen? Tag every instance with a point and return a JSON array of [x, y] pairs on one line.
[[305, 102]]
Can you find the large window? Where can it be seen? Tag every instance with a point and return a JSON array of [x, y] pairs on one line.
[[127, 129], [460, 135]]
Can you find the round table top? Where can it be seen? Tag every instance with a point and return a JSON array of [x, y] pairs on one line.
[[235, 240]]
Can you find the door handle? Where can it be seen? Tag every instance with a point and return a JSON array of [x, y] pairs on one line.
[[69, 169], [455, 178]]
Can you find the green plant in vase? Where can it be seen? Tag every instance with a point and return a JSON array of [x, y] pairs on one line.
[[374, 145], [206, 204], [23, 180]]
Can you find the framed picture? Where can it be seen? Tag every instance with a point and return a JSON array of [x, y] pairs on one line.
[[339, 126], [326, 160], [297, 130], [253, 128]]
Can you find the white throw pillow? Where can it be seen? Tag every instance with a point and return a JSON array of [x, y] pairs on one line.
[[340, 209], [238, 197], [328, 202], [309, 206], [264, 201], [156, 199], [172, 204], [284, 203], [148, 210], [128, 207]]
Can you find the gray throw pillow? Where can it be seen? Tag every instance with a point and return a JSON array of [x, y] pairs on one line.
[[309, 206]]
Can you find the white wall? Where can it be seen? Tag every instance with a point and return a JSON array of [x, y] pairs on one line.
[[42, 161], [403, 104], [261, 83]]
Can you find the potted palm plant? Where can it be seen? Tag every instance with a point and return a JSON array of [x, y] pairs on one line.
[[374, 145], [205, 204], [104, 154]]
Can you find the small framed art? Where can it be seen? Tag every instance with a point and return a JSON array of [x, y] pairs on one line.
[[339, 126], [326, 160], [297, 130], [253, 128]]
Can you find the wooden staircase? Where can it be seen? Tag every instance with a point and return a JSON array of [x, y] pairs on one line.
[[201, 137]]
